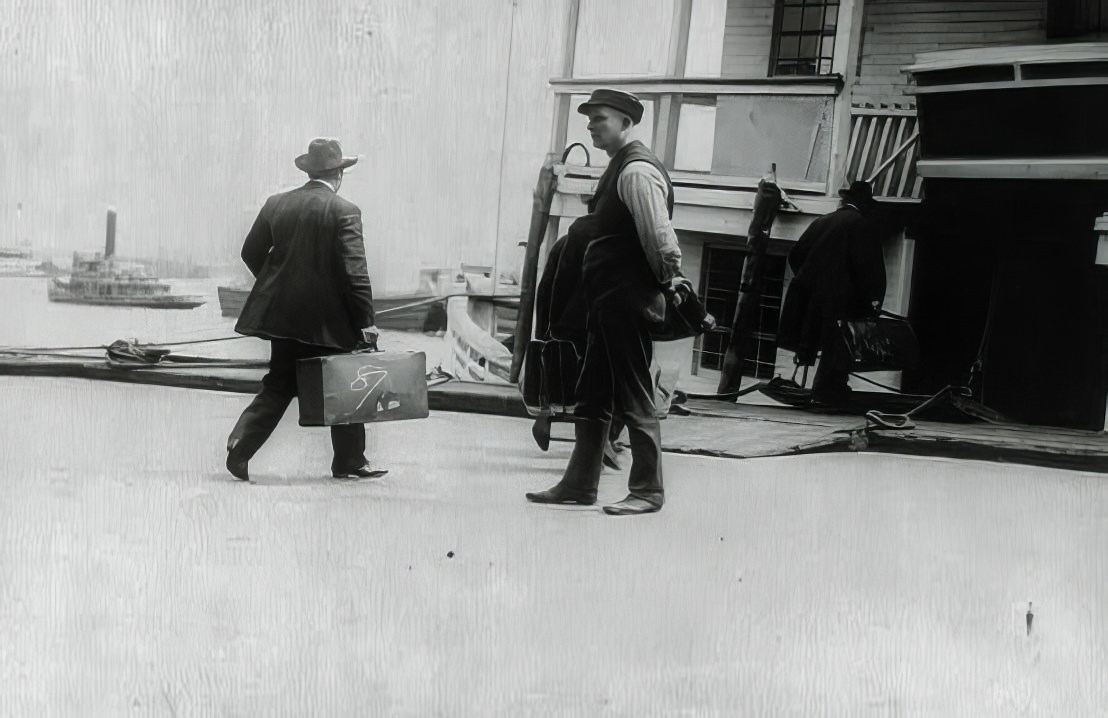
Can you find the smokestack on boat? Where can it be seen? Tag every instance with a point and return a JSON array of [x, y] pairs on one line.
[[109, 245]]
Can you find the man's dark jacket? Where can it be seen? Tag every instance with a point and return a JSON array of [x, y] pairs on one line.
[[839, 272], [617, 263], [311, 280]]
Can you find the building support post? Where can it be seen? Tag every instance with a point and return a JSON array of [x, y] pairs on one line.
[[766, 204], [848, 47]]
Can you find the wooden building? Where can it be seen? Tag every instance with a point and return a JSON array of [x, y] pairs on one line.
[[815, 87], [1015, 160]]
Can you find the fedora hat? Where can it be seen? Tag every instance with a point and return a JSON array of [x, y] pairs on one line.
[[859, 191], [625, 102], [324, 155]]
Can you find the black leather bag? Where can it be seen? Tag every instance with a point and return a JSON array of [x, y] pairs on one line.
[[681, 321], [882, 343], [548, 380]]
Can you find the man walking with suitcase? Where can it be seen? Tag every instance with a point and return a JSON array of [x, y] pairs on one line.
[[311, 297]]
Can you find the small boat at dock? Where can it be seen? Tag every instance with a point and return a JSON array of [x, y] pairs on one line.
[[403, 312], [423, 310]]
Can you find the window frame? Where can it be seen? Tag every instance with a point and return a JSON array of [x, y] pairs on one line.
[[822, 34]]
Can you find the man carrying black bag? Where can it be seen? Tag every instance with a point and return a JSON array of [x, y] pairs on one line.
[[311, 298], [630, 259], [839, 272], [560, 316]]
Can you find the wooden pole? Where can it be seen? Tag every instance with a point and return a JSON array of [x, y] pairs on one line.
[[766, 204], [540, 219]]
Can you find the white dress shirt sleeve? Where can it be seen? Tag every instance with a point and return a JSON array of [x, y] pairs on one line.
[[642, 189]]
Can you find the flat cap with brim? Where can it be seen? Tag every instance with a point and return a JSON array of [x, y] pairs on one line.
[[625, 102], [324, 155]]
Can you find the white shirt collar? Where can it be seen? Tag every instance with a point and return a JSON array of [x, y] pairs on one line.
[[326, 184]]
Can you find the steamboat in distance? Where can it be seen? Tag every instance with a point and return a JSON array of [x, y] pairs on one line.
[[101, 279]]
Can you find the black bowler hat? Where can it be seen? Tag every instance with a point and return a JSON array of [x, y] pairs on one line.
[[858, 191], [324, 155], [625, 102]]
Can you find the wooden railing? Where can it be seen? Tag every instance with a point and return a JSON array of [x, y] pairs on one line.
[[474, 354], [884, 150], [665, 98]]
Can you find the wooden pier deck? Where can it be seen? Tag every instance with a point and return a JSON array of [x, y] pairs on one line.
[[139, 578], [704, 427]]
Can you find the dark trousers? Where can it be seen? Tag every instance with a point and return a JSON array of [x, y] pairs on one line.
[[615, 382], [832, 375], [279, 387]]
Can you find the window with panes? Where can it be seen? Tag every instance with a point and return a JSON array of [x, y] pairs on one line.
[[803, 37]]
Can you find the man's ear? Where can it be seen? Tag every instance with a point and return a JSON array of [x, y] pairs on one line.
[[627, 122]]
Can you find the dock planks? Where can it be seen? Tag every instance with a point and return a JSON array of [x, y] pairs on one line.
[[710, 428]]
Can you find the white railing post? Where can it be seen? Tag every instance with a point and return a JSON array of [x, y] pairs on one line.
[[667, 112], [569, 53], [848, 40]]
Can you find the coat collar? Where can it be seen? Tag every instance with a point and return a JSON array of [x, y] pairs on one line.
[[320, 183]]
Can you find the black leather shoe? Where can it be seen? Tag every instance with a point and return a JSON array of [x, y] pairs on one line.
[[541, 431], [238, 466], [560, 495], [365, 472], [631, 506]]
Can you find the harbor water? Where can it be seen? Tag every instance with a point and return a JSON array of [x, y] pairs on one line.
[[31, 320]]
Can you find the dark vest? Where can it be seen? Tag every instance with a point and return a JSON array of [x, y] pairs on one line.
[[618, 259], [608, 215], [614, 267]]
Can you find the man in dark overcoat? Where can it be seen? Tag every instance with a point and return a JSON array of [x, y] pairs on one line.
[[311, 297], [561, 313], [630, 259], [839, 273]]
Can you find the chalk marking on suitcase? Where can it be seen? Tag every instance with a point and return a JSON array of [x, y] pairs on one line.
[[363, 378]]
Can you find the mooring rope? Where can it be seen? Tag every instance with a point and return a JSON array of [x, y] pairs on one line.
[[46, 351], [877, 384], [237, 364], [26, 353]]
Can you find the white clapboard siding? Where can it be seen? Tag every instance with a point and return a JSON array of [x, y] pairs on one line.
[[895, 30], [747, 38]]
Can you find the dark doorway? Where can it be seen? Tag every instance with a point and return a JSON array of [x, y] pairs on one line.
[[1004, 272], [721, 272]]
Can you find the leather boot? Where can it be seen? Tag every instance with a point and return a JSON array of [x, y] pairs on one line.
[[582, 475]]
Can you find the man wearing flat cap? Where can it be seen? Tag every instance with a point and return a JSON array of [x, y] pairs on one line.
[[311, 297], [624, 256], [839, 273]]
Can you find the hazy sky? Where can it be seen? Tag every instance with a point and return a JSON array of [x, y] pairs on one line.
[[185, 114]]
